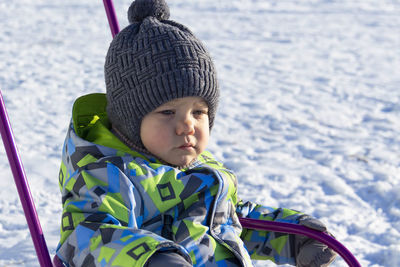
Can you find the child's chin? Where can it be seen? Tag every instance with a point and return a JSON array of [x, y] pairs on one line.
[[182, 162]]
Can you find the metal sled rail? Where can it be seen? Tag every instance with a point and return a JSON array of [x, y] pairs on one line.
[[23, 187], [290, 228]]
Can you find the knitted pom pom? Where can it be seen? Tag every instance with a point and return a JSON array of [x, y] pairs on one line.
[[141, 9]]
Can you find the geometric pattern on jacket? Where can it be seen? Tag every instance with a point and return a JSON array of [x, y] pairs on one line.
[[121, 206]]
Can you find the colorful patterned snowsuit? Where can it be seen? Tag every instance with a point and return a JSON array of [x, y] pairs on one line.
[[120, 206]]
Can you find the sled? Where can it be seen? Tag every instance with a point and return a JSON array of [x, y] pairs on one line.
[[33, 220]]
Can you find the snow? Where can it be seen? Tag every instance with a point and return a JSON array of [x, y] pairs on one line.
[[308, 118]]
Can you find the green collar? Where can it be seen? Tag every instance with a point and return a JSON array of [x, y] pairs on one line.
[[90, 120]]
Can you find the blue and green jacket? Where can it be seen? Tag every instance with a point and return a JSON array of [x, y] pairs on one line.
[[121, 206]]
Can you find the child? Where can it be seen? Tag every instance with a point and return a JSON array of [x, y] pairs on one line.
[[138, 187]]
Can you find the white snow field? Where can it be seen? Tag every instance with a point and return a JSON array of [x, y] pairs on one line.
[[309, 116]]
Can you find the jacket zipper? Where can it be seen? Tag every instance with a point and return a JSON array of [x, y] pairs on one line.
[[238, 255], [166, 230]]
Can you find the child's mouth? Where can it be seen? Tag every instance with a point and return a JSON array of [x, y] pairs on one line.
[[186, 146]]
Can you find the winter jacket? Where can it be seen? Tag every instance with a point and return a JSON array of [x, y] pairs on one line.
[[121, 206]]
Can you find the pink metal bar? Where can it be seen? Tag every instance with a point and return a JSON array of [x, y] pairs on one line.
[[23, 188], [112, 18], [296, 229]]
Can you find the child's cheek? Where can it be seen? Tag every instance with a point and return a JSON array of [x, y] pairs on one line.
[[162, 134]]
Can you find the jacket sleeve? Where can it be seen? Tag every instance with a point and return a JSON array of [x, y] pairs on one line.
[[101, 223], [263, 245]]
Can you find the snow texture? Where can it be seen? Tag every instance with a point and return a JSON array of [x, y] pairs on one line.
[[309, 116]]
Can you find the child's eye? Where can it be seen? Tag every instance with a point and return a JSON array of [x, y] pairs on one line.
[[166, 112], [200, 112]]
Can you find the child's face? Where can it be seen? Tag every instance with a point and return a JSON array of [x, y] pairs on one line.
[[177, 131]]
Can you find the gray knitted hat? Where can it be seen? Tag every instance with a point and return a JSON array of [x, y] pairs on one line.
[[150, 62]]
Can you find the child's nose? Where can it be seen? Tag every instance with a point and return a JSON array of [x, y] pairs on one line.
[[185, 126]]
